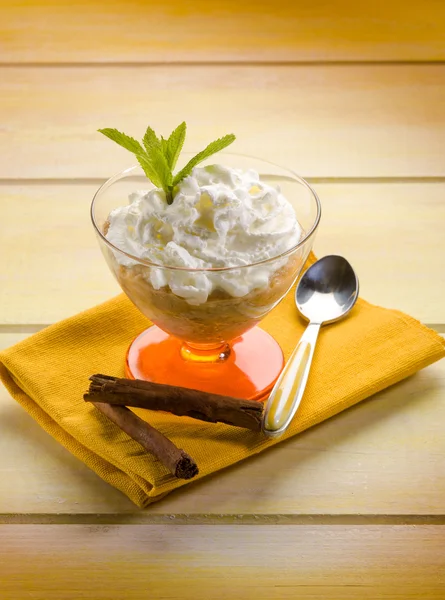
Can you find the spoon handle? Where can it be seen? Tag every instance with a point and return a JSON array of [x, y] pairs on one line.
[[288, 391]]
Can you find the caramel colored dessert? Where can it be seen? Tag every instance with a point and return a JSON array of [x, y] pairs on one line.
[[221, 318]]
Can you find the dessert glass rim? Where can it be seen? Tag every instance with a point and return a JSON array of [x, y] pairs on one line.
[[149, 263]]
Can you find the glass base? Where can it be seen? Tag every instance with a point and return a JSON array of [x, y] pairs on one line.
[[246, 368]]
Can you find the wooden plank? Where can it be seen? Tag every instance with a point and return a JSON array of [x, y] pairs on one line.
[[215, 562], [392, 234], [47, 31], [54, 267], [384, 457], [322, 121]]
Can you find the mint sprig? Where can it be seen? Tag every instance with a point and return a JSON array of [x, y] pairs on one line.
[[158, 156]]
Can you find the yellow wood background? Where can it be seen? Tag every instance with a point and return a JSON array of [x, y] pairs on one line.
[[212, 562], [52, 31], [352, 96]]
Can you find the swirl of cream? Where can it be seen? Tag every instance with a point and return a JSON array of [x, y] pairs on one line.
[[220, 217]]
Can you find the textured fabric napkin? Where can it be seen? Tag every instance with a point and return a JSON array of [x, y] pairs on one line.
[[48, 374]]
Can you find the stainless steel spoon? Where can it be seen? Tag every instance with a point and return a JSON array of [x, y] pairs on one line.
[[326, 293]]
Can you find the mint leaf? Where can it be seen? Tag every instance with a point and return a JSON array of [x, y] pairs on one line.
[[174, 144], [162, 168], [149, 169], [122, 139], [212, 148], [151, 140], [164, 144], [157, 170]]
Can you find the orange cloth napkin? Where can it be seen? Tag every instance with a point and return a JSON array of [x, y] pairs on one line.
[[48, 374]]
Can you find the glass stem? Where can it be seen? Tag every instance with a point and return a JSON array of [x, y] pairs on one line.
[[207, 353]]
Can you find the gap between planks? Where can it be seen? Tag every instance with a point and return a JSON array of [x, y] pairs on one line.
[[146, 518], [222, 63], [315, 180]]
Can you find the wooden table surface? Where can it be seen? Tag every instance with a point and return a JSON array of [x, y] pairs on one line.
[[353, 98]]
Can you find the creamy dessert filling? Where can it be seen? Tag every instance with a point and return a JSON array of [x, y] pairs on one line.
[[220, 217]]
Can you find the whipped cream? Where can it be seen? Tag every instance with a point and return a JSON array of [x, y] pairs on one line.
[[220, 217]]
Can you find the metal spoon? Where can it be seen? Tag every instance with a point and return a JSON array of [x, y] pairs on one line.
[[326, 293]]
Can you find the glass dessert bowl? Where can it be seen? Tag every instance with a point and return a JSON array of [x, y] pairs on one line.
[[205, 333]]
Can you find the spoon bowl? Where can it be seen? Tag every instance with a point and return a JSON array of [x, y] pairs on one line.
[[327, 291]]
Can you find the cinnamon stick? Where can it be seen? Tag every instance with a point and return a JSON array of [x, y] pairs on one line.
[[180, 401], [176, 460]]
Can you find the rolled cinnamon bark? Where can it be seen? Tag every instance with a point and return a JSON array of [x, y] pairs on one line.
[[180, 401], [176, 460]]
